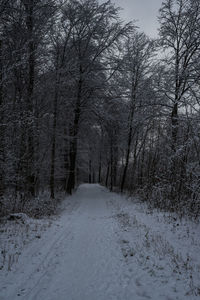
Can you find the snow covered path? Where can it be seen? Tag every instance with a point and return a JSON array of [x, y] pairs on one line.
[[97, 251], [80, 261], [86, 264]]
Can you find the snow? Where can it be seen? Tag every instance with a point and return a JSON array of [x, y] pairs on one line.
[[104, 246]]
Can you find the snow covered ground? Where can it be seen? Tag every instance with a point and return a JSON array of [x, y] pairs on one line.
[[102, 247]]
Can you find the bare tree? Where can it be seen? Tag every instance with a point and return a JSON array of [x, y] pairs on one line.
[[179, 20], [139, 51]]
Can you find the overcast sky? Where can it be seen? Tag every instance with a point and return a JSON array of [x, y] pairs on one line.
[[145, 11]]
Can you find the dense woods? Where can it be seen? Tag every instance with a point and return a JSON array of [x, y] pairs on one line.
[[85, 97]]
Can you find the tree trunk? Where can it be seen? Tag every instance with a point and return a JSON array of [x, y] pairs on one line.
[[73, 136], [174, 163], [115, 165], [107, 174], [141, 176], [174, 124], [72, 157], [133, 181], [93, 176], [127, 153], [30, 87], [174, 129], [111, 165], [1, 125], [53, 147], [133, 102], [90, 171], [99, 175]]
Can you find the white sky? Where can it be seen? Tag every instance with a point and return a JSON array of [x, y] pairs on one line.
[[145, 11]]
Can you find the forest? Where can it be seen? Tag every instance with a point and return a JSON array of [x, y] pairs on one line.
[[87, 98]]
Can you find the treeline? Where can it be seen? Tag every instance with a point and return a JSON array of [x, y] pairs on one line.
[[85, 97]]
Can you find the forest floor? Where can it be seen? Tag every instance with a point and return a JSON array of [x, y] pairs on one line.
[[102, 246]]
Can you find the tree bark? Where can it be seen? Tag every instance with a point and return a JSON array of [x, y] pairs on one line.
[[128, 151], [174, 132], [73, 136], [107, 174], [100, 167], [1, 124], [90, 171], [53, 147], [111, 165], [31, 78]]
